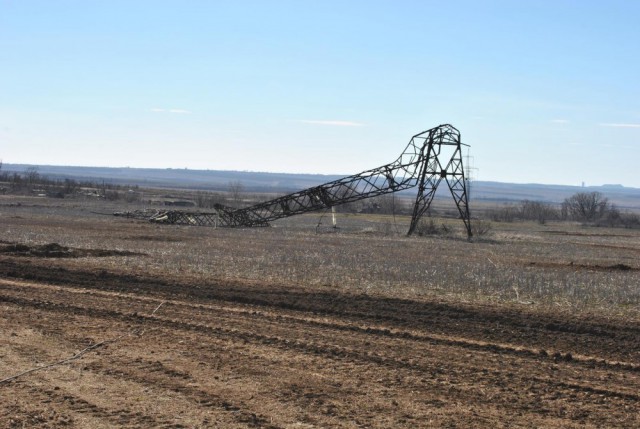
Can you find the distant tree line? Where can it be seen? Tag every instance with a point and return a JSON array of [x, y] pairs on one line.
[[591, 208], [32, 182]]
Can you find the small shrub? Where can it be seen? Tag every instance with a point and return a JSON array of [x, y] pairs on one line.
[[429, 227], [480, 228]]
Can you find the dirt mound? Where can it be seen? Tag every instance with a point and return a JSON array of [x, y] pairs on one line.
[[590, 267], [621, 267], [154, 238], [55, 250]]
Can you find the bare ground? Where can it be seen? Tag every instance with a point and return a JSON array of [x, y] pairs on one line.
[[180, 354]]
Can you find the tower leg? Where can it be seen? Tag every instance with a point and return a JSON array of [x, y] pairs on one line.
[[426, 192], [458, 187]]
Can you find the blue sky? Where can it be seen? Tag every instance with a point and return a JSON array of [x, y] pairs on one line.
[[543, 91]]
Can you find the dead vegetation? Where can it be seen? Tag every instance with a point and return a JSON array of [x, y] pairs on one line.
[[532, 325]]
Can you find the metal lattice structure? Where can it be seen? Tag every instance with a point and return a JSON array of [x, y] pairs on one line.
[[430, 157]]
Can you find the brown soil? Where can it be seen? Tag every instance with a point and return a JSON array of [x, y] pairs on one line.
[[182, 354]]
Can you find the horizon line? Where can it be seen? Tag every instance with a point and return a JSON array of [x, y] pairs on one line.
[[529, 183]]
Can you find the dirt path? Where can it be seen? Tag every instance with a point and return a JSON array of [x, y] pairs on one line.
[[247, 355]]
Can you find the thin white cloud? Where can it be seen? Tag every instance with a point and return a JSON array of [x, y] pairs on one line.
[[333, 123], [183, 111], [621, 125], [559, 121], [617, 146]]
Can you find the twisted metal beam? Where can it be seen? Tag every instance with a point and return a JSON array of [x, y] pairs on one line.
[[430, 157]]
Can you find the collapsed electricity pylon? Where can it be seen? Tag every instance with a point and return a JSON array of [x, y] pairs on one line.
[[430, 157]]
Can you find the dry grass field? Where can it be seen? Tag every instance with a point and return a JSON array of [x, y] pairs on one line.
[[296, 326]]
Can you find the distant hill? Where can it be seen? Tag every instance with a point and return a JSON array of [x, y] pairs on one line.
[[623, 197], [218, 180], [214, 180]]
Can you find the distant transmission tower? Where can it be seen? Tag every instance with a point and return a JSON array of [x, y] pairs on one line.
[[471, 172]]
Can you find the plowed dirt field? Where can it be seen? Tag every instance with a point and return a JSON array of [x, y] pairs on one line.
[[174, 354]]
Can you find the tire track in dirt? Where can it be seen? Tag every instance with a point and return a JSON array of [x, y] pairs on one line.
[[617, 342], [260, 315], [385, 333], [78, 405], [147, 368], [156, 375], [372, 347], [332, 351], [147, 373]]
